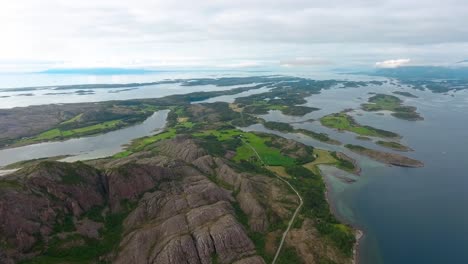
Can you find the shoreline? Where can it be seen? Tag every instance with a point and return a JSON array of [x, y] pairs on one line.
[[358, 231], [359, 235]]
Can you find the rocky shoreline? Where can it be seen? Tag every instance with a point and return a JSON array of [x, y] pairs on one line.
[[359, 237], [385, 157]]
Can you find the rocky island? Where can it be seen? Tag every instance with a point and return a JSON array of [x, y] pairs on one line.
[[385, 157]]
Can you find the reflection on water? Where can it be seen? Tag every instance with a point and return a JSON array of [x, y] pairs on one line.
[[99, 146]]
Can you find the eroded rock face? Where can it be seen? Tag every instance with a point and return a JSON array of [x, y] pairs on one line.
[[185, 221], [31, 205], [131, 180], [182, 147], [256, 193]]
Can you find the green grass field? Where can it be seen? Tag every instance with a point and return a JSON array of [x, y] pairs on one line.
[[342, 121], [382, 102], [270, 156], [58, 134]]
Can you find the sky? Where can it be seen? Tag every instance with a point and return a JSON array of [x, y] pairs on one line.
[[242, 34]]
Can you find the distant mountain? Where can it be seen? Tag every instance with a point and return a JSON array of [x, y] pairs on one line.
[[463, 61], [424, 72], [96, 71]]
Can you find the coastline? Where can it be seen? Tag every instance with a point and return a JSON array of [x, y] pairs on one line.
[[358, 232]]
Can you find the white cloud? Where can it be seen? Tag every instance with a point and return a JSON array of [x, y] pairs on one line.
[[392, 63], [226, 32]]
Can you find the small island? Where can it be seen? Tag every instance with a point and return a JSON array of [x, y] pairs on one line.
[[406, 94], [279, 126], [380, 102], [298, 110], [318, 136], [343, 121], [385, 157], [287, 128], [363, 138], [393, 145]]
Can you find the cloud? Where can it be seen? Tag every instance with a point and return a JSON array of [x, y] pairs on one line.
[[226, 32], [392, 63]]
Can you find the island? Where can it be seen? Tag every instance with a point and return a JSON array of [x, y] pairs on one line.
[[393, 104], [385, 157], [393, 145], [344, 122], [318, 136], [406, 94]]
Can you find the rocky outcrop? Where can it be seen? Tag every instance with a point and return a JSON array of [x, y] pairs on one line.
[[310, 246], [186, 221], [182, 147], [131, 180], [387, 158], [34, 200]]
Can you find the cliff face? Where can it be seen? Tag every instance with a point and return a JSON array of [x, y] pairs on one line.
[[35, 199]]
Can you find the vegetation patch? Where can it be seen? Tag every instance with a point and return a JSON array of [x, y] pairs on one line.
[[343, 121], [406, 94], [250, 141], [59, 134], [141, 143], [7, 184], [289, 255], [298, 110], [393, 145], [312, 189], [391, 103], [279, 126], [318, 136], [91, 249], [343, 162]]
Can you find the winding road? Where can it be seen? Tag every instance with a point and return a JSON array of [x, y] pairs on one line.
[[301, 202]]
